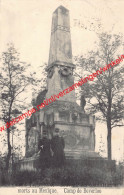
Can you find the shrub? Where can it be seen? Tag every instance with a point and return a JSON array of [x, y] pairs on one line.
[[74, 174]]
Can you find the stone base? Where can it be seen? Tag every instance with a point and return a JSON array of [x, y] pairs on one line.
[[93, 162], [90, 159], [31, 163], [28, 164], [81, 154]]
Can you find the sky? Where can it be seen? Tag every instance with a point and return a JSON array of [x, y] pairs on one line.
[[27, 23]]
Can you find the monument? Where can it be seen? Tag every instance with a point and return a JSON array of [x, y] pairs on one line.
[[76, 127]]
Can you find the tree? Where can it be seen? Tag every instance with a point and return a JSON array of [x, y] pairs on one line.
[[105, 93], [101, 146], [15, 78]]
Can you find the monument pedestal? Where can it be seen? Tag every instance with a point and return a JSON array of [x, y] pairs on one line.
[[76, 127]]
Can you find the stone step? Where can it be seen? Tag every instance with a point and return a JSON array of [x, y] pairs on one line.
[[80, 154]]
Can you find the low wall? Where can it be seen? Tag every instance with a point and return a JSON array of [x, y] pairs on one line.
[[29, 164], [32, 163]]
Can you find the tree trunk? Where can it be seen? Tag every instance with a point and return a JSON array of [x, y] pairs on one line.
[[109, 118], [109, 139], [8, 136], [9, 150]]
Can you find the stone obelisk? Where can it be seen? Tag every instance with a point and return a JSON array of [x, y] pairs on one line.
[[60, 46], [60, 66]]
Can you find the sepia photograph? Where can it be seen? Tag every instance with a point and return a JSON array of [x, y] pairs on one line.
[[61, 97]]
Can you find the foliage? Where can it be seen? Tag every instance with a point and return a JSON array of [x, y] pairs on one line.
[[69, 176], [16, 78]]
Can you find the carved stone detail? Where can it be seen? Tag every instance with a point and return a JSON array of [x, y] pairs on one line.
[[59, 27], [50, 72], [65, 71]]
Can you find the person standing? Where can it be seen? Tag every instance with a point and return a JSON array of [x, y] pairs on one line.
[[45, 153], [57, 146]]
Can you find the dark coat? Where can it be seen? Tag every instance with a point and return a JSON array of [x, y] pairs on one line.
[[57, 146], [45, 154]]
